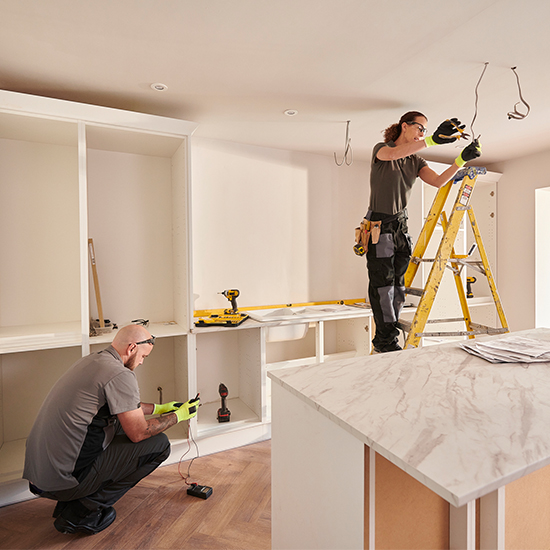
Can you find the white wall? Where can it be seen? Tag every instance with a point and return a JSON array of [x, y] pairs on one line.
[[277, 225], [542, 259], [516, 235]]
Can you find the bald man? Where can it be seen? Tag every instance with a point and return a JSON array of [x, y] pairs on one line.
[[91, 441]]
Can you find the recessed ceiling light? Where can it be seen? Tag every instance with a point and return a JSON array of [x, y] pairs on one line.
[[159, 87], [291, 112]]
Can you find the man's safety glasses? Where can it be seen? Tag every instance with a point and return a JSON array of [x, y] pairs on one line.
[[149, 341]]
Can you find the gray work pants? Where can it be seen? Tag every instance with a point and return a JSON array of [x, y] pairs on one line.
[[115, 471]]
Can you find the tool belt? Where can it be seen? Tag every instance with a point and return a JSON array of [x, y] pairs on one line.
[[369, 228], [362, 233]]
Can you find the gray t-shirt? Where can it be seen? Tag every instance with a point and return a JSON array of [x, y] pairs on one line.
[[391, 181], [77, 420]]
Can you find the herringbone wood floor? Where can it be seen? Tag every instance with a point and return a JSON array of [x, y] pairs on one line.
[[158, 514]]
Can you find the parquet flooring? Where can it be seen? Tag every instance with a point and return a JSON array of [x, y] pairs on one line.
[[158, 514]]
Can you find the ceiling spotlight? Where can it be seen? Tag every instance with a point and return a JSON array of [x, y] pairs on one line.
[[159, 87], [291, 112]]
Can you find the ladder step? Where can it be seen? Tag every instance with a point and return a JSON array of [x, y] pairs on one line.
[[482, 329], [406, 325], [476, 328], [414, 291]]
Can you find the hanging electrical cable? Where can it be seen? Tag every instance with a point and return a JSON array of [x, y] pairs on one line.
[[515, 114], [475, 108], [348, 153]]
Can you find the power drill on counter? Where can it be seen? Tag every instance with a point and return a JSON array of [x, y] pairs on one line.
[[224, 413], [231, 295], [229, 317]]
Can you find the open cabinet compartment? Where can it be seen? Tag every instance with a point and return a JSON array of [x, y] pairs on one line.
[[137, 218], [232, 358], [70, 171], [39, 219]]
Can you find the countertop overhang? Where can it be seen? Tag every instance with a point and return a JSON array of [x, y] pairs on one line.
[[458, 424]]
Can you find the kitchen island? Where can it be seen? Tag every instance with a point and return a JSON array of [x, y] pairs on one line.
[[424, 448]]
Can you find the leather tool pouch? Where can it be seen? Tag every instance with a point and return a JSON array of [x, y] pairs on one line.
[[375, 231], [362, 237]]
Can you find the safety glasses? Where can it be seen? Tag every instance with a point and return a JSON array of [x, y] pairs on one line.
[[420, 127], [148, 341]]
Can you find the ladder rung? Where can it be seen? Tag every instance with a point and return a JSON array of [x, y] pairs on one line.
[[461, 261], [476, 329], [451, 333], [406, 325], [474, 264], [482, 329], [453, 320], [414, 291]]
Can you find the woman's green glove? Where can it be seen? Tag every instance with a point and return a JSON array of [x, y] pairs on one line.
[[469, 152], [187, 410], [165, 408]]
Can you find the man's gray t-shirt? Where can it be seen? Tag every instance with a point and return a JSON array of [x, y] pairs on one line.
[[391, 181], [77, 420]]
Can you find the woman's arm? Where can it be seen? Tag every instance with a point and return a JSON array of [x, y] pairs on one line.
[[400, 151], [437, 180]]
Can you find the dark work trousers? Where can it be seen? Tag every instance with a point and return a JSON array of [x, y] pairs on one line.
[[115, 471], [387, 262]]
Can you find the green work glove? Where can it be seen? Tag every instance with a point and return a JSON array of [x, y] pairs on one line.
[[470, 152], [444, 132], [187, 410], [166, 407]]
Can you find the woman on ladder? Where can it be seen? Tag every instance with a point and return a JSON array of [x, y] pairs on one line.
[[394, 169]]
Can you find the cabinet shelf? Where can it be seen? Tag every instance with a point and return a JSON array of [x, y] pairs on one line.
[[241, 416], [37, 337], [159, 330]]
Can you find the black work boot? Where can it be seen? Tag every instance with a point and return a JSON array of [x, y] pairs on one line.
[[59, 507], [385, 348], [76, 518]]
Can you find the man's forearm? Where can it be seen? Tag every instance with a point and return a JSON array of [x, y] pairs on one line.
[[147, 408], [159, 424]]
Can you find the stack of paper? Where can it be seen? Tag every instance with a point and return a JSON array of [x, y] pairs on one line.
[[510, 349]]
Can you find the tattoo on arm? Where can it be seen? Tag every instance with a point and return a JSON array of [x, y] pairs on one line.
[[159, 424]]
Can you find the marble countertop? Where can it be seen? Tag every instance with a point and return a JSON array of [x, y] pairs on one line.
[[458, 424]]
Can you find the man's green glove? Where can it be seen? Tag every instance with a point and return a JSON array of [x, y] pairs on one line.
[[447, 132], [470, 152], [187, 410], [165, 408]]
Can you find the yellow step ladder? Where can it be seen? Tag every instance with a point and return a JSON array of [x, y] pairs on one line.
[[447, 258]]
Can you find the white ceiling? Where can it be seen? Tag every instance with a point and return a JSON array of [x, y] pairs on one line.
[[234, 66]]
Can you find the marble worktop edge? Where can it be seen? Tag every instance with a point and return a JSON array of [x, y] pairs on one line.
[[519, 462]]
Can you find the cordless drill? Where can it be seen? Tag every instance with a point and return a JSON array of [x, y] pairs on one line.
[[223, 413], [231, 295], [469, 282]]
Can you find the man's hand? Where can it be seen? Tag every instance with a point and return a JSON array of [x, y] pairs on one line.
[[469, 152], [188, 410], [447, 132], [165, 408]]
